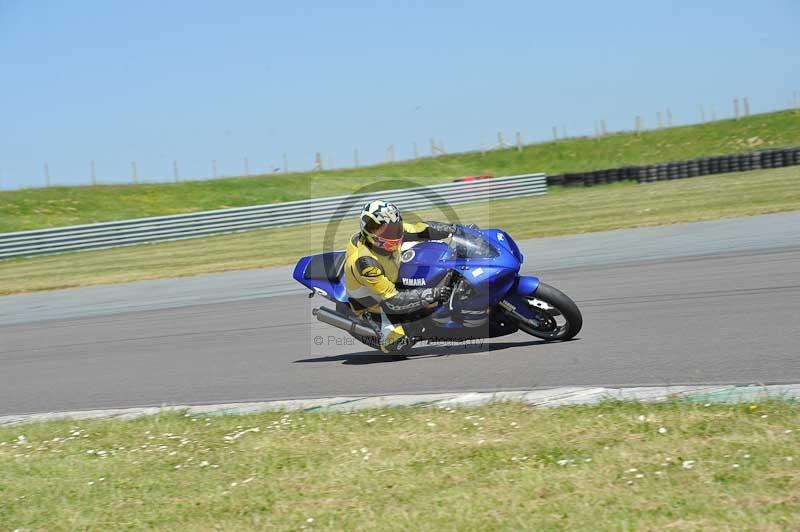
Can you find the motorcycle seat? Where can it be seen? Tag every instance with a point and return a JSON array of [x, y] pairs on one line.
[[327, 266]]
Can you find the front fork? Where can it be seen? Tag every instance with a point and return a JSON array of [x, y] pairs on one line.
[[514, 304]]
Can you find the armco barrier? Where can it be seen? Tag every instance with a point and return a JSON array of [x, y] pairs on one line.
[[180, 226], [773, 158]]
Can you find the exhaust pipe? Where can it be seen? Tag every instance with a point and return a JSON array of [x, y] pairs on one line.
[[331, 317]]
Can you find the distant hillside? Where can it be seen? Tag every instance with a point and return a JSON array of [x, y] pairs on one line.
[[59, 206]]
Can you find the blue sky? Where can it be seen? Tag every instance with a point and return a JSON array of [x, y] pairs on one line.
[[156, 81]]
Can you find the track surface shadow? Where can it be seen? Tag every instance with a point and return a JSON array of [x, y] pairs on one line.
[[375, 357]]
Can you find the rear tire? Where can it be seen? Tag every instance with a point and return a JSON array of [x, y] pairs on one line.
[[563, 306]]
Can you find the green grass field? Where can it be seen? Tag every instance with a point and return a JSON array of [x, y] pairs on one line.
[[563, 211], [615, 466], [59, 206]]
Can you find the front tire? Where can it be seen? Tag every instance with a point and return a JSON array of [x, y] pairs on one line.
[[557, 316]]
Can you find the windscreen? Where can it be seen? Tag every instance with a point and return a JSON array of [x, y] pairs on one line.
[[471, 245]]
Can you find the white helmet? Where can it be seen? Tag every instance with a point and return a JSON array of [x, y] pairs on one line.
[[382, 225]]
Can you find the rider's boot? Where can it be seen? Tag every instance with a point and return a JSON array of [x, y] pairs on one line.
[[393, 338]]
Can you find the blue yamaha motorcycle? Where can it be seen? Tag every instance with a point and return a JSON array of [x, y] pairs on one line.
[[489, 297]]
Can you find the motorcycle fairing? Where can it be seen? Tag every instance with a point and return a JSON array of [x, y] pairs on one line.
[[422, 264], [319, 274], [426, 263]]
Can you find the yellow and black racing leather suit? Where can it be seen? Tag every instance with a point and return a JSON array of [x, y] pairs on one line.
[[371, 274]]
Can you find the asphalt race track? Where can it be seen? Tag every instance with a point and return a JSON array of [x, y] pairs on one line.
[[706, 303]]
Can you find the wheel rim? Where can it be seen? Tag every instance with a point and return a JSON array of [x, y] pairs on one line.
[[548, 321]]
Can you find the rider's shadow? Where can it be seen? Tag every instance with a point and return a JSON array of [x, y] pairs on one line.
[[420, 352]]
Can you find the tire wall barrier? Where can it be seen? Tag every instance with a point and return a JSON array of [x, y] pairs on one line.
[[647, 173]]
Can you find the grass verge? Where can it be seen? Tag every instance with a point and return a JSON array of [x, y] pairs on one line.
[[59, 206], [500, 467], [563, 211]]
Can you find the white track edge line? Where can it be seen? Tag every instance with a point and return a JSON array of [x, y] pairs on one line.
[[543, 398]]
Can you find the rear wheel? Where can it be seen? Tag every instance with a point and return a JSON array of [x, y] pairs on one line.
[[555, 316]]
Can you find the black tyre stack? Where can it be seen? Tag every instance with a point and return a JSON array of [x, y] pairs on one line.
[[683, 170], [733, 161], [788, 157], [648, 173], [744, 162], [571, 180], [725, 164], [704, 166], [766, 159], [672, 170], [779, 158], [755, 160]]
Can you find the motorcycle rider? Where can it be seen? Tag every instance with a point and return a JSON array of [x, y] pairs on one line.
[[372, 265]]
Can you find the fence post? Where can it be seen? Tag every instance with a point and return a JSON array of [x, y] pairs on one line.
[[214, 168], [46, 175], [94, 173], [736, 108], [669, 117], [285, 163], [555, 133], [518, 139], [355, 156], [175, 173], [746, 106], [134, 175]]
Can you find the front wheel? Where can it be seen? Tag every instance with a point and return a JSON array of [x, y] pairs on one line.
[[555, 315]]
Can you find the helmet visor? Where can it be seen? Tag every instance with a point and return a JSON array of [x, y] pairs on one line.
[[388, 244], [389, 230]]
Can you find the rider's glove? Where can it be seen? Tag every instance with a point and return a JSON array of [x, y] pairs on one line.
[[439, 294], [439, 230]]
